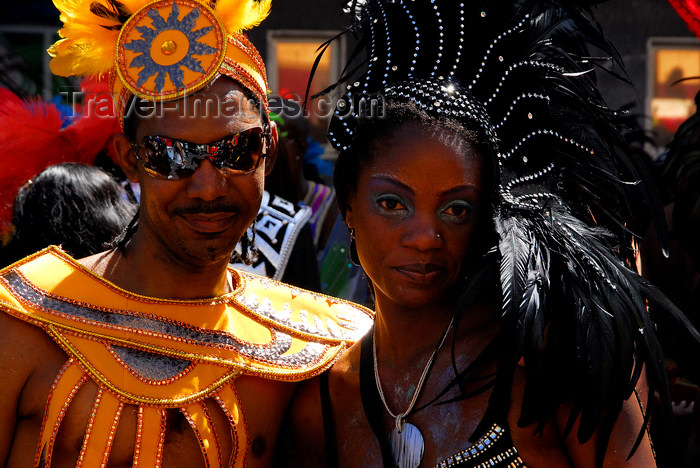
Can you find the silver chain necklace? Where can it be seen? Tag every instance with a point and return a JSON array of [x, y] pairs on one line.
[[405, 440]]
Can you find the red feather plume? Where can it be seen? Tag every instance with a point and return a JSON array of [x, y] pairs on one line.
[[689, 10], [31, 139]]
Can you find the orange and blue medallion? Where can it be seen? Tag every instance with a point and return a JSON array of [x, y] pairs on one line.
[[168, 49]]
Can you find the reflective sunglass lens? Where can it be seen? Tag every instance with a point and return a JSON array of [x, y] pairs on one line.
[[174, 159]]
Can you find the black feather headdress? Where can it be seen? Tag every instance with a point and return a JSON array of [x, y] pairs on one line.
[[521, 70]]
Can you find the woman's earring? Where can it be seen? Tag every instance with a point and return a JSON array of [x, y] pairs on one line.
[[353, 248]]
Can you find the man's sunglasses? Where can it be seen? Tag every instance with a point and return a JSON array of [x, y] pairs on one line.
[[171, 159]]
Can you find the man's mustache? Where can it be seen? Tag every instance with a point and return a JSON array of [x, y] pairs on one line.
[[205, 209]]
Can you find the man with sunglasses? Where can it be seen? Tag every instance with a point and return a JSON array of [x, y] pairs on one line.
[[155, 353]]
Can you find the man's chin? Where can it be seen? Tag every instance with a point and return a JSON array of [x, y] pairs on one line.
[[206, 254]]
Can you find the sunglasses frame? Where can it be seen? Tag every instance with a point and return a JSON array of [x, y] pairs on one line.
[[196, 153]]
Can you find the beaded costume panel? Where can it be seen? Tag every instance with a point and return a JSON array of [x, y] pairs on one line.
[[493, 449], [277, 227], [159, 354]]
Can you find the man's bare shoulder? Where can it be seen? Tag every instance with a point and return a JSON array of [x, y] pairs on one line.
[[21, 344], [97, 263], [25, 350], [29, 361]]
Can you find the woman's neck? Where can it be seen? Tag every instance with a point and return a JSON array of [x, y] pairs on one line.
[[404, 336]]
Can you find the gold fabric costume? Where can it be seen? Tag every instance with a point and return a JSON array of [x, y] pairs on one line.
[[159, 354]]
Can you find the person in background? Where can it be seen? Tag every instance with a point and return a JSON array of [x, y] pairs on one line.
[[281, 243], [77, 206], [155, 352], [676, 270], [292, 179], [338, 276], [35, 134], [678, 275], [281, 235], [52, 193], [287, 178]]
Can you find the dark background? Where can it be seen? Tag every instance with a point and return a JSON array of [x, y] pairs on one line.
[[627, 23]]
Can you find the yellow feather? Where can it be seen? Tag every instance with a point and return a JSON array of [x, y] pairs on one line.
[[87, 46], [239, 15], [257, 14], [230, 13]]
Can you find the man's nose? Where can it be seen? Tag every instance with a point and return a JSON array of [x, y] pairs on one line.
[[207, 183]]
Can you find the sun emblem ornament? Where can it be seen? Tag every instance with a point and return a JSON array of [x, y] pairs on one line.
[[169, 49]]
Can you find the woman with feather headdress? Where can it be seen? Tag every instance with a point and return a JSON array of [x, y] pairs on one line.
[[488, 191]]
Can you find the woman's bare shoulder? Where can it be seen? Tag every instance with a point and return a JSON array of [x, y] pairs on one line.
[[552, 447], [348, 365], [307, 410]]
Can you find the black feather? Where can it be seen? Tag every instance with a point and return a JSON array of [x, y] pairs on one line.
[[117, 12]]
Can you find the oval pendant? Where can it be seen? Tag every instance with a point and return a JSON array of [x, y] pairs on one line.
[[406, 446]]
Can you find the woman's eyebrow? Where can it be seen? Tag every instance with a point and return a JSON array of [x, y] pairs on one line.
[[393, 181], [452, 191], [460, 189]]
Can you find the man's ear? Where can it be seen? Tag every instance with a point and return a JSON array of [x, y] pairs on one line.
[[271, 157], [126, 157]]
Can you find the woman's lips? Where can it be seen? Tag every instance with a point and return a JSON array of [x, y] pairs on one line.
[[422, 273], [209, 223]]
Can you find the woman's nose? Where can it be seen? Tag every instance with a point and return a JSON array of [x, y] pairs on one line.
[[422, 233]]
